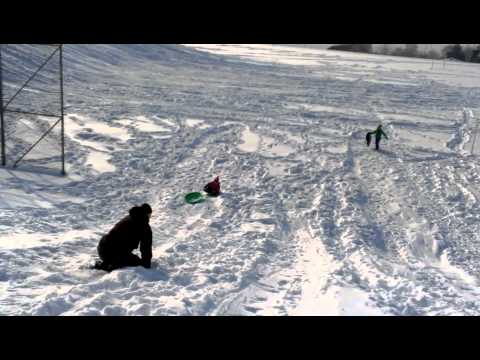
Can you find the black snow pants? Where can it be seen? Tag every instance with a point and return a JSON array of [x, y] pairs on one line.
[[112, 260]]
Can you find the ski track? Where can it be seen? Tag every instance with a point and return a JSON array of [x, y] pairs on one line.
[[311, 222]]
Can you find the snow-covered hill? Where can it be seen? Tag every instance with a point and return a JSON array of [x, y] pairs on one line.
[[311, 222]]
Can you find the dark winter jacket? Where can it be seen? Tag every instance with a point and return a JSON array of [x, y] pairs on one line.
[[378, 134], [127, 235], [213, 188]]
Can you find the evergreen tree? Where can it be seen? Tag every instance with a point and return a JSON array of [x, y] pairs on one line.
[[454, 52]]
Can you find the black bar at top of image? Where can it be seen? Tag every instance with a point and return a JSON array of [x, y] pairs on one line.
[[346, 24]]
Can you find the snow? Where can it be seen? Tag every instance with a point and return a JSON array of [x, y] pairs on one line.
[[31, 240], [196, 123], [83, 124], [143, 123], [310, 221], [250, 141]]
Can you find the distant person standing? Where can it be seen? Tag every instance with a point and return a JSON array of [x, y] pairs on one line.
[[378, 137]]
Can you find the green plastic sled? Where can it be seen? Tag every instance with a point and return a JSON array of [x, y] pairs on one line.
[[194, 198]]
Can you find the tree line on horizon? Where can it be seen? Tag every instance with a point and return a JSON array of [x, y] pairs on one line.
[[468, 53]]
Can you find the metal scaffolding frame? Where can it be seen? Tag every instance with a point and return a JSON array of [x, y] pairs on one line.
[[58, 48]]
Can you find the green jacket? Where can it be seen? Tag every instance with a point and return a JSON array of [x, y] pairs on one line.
[[378, 134]]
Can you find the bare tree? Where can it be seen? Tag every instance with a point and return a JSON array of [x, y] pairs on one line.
[[411, 50], [432, 54], [469, 52], [476, 55], [385, 49], [398, 51], [365, 48]]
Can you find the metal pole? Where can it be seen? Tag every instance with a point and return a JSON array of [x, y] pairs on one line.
[[475, 134], [433, 59], [36, 143], [30, 79], [62, 110], [31, 113], [2, 124]]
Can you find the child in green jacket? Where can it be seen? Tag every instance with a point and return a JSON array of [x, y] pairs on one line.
[[378, 136]]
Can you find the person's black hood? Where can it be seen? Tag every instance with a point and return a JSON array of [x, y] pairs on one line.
[[138, 213]]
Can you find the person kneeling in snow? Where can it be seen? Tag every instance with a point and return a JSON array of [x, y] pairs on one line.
[[213, 188], [115, 248]]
